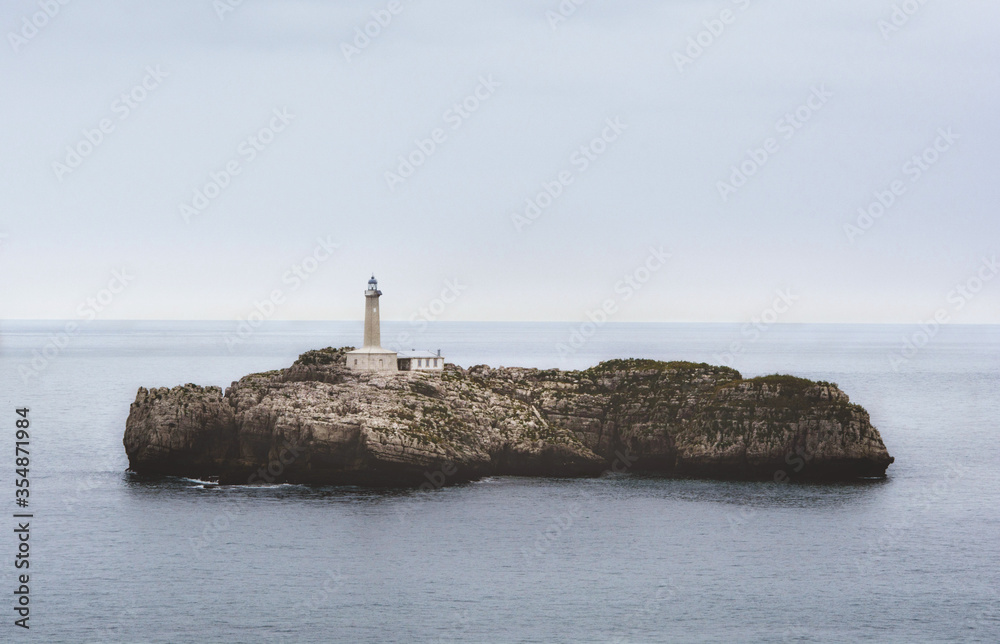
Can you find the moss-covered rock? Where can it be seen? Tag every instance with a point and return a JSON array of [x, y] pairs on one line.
[[319, 422]]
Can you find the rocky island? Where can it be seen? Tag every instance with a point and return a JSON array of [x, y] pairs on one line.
[[319, 422]]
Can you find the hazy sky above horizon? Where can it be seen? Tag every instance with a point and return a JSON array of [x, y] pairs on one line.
[[824, 109]]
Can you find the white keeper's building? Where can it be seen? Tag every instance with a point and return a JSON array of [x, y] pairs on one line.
[[419, 361]]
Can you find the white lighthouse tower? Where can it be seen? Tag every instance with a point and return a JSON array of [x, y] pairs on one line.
[[371, 356], [373, 333]]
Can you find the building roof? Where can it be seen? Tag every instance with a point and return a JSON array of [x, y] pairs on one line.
[[370, 350], [418, 354]]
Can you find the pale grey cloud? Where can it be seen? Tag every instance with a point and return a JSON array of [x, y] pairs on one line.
[[353, 116]]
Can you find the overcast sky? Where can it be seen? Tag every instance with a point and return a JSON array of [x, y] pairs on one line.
[[823, 104]]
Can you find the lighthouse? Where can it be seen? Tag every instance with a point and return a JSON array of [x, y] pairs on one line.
[[371, 356], [373, 335]]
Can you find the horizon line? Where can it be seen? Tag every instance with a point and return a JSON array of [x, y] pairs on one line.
[[576, 321]]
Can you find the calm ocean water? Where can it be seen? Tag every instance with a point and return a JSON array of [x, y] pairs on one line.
[[623, 559]]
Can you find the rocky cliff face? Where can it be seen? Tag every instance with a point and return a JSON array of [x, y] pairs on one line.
[[318, 422]]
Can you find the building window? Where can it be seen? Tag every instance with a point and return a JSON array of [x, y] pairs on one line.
[[435, 362], [380, 362], [355, 361]]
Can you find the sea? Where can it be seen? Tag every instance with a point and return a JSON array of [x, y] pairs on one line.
[[621, 558]]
